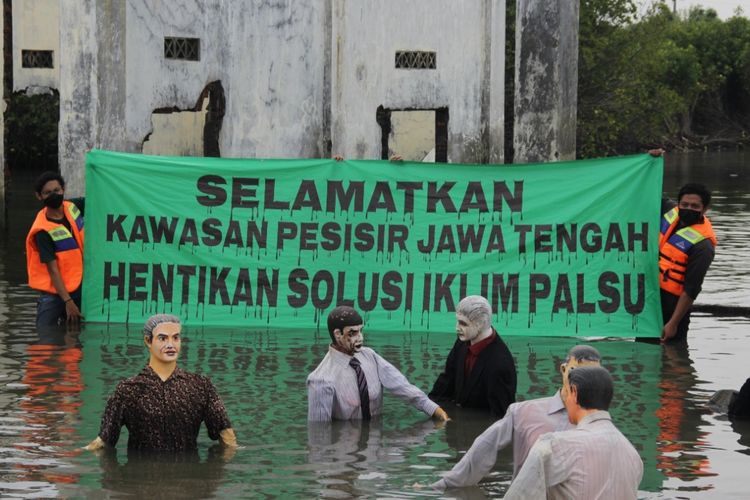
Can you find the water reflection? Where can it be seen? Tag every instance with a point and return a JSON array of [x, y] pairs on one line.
[[261, 377], [680, 439], [44, 432], [154, 475], [349, 457], [742, 428]]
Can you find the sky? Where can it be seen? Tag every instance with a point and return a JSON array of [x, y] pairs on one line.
[[725, 8]]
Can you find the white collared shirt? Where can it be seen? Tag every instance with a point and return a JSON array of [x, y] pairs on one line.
[[332, 391], [592, 461]]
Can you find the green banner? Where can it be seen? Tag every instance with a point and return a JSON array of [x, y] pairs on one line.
[[567, 248]]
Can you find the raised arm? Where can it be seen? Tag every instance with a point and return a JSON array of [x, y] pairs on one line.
[[479, 460], [396, 382]]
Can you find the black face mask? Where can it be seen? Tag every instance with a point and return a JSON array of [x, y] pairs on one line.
[[54, 200], [690, 217]]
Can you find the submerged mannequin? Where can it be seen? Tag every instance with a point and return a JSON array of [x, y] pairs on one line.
[[522, 425], [348, 383], [163, 406], [480, 371]]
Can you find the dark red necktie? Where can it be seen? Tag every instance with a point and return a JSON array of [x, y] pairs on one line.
[[364, 394]]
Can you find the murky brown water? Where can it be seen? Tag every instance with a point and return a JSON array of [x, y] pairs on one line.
[[53, 389]]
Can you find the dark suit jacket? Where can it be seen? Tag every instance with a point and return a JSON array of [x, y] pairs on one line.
[[740, 405], [491, 384]]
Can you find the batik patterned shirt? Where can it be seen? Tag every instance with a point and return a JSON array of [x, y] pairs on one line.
[[163, 415]]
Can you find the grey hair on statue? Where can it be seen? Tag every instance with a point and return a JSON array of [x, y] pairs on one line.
[[158, 319], [477, 309]]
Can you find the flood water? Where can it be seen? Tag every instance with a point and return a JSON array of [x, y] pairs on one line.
[[53, 389]]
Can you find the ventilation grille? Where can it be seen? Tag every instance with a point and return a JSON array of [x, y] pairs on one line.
[[410, 59], [36, 58], [188, 49]]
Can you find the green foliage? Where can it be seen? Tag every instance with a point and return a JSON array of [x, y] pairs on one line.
[[666, 80], [31, 124]]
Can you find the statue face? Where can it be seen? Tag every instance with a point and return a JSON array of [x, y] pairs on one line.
[[466, 329], [349, 340], [165, 343]]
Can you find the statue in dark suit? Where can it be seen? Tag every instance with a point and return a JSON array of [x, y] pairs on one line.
[[480, 371]]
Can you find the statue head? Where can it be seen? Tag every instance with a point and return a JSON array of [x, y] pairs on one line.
[[473, 318], [345, 328]]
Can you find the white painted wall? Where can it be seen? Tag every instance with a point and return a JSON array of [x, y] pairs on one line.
[[470, 63], [269, 56], [36, 27], [546, 81], [276, 69]]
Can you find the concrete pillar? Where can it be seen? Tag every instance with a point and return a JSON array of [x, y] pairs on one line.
[[92, 84], [2, 128], [110, 53], [494, 79], [546, 80], [78, 90]]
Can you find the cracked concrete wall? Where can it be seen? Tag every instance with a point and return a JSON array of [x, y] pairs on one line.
[[412, 134], [166, 83], [78, 90], [271, 57], [36, 27], [276, 96], [268, 55], [468, 79], [546, 80]]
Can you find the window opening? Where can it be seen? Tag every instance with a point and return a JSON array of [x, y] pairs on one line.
[[416, 59], [188, 49], [36, 59]]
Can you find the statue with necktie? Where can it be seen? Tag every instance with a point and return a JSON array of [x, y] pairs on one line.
[[348, 383]]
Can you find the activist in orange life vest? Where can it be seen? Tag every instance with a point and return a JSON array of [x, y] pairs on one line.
[[54, 253], [686, 250]]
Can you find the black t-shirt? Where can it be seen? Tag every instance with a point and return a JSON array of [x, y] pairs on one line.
[[44, 241]]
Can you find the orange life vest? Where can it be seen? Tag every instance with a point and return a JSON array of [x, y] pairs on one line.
[[675, 246], [68, 248]]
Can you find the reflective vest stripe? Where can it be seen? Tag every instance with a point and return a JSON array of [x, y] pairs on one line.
[[63, 239]]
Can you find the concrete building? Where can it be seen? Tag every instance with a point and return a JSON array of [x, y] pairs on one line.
[[289, 78], [36, 45]]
